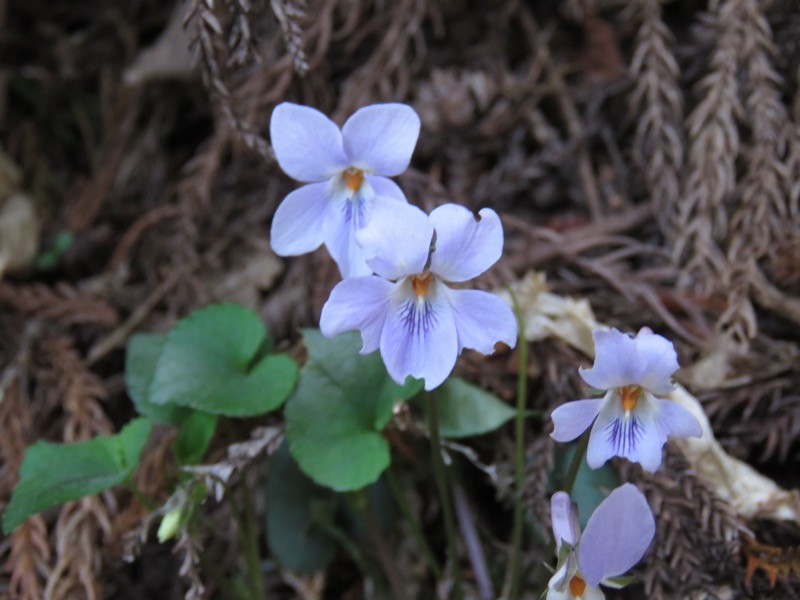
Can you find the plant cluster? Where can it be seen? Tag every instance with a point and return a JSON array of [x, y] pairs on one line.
[[402, 289]]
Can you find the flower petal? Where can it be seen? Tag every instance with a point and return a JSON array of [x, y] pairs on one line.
[[564, 515], [636, 437], [465, 248], [616, 536], [307, 144], [614, 353], [380, 138], [297, 227], [419, 337], [673, 419], [344, 219], [659, 359], [648, 360], [386, 188], [573, 418], [482, 319], [592, 592], [397, 239], [358, 303]]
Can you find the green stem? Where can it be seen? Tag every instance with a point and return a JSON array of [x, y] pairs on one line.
[[441, 483], [246, 524], [326, 524], [575, 465], [140, 496], [416, 529], [519, 457]]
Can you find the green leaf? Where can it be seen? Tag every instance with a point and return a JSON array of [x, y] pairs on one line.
[[194, 437], [591, 485], [464, 409], [141, 358], [293, 502], [342, 402], [197, 427], [213, 360], [55, 473]]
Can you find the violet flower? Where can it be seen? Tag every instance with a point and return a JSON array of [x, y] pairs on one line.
[[347, 172], [615, 538], [407, 309], [630, 420]]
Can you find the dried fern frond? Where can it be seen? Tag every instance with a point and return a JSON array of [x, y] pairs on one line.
[[714, 145], [80, 524], [29, 562], [657, 102], [761, 208], [222, 41], [773, 560], [61, 303], [290, 15], [697, 534]]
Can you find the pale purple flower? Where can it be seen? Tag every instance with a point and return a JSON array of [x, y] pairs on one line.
[[407, 309], [347, 172], [615, 538], [630, 420]]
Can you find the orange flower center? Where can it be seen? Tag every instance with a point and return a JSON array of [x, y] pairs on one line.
[[354, 178], [420, 283], [577, 586], [630, 396]]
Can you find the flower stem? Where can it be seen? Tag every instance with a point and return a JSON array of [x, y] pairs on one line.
[[416, 529], [251, 544], [577, 458], [137, 493], [519, 457], [441, 483]]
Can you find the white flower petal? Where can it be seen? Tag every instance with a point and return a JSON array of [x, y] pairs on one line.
[[380, 138], [593, 592], [419, 337], [386, 188], [675, 420], [465, 248], [297, 227], [564, 518], [636, 437], [571, 419], [659, 361], [345, 217], [397, 239], [648, 360], [482, 320], [307, 144], [616, 536], [358, 303]]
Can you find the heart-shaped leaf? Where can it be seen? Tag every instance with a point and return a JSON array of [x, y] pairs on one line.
[[213, 361], [55, 473], [464, 409], [141, 359], [342, 402], [294, 502]]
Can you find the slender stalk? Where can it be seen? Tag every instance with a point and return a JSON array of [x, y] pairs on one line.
[[441, 483], [140, 496], [519, 456], [246, 525], [327, 525], [577, 458], [416, 529]]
